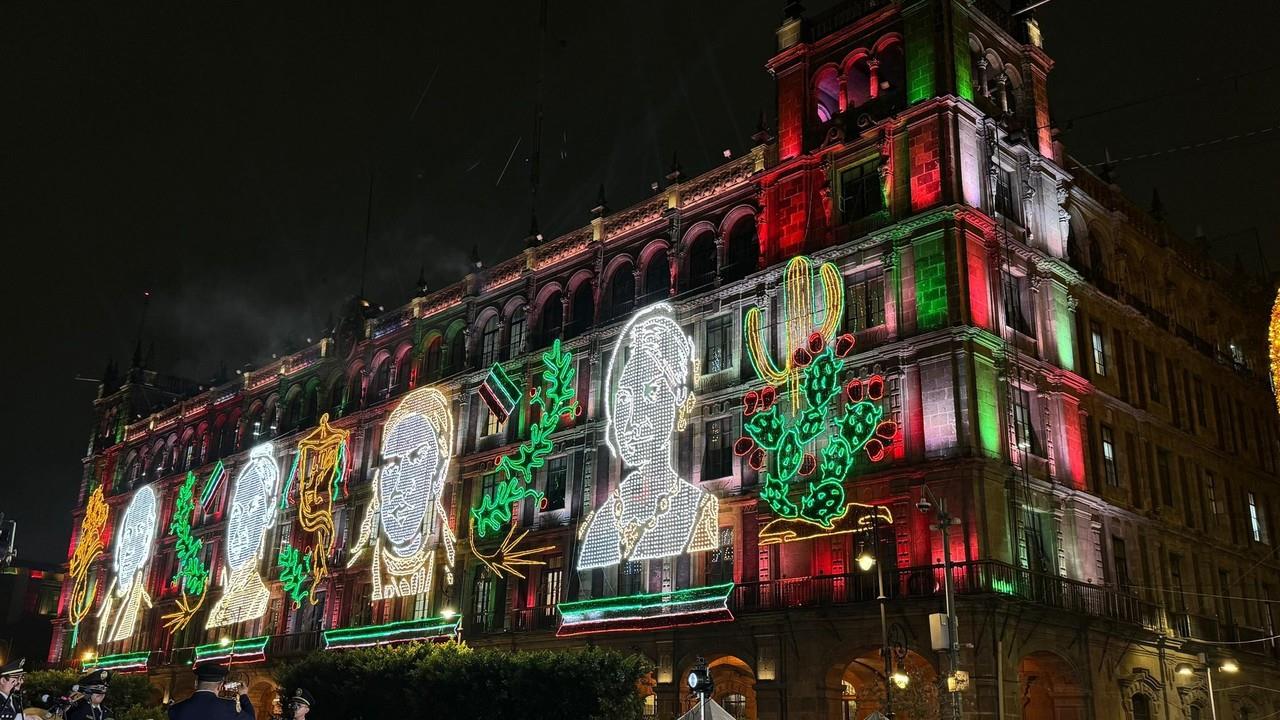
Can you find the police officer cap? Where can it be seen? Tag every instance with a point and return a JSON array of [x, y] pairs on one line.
[[304, 697], [95, 682], [211, 672], [13, 668]]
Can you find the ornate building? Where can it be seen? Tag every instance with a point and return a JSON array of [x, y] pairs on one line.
[[1011, 340]]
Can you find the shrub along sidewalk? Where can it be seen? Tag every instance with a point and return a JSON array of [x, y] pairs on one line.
[[454, 681]]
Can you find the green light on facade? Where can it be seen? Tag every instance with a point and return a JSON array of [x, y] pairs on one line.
[[931, 283]]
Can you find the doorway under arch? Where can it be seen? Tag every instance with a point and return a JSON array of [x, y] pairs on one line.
[[1049, 689]]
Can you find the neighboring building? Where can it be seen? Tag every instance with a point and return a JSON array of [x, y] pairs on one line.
[[1085, 391], [28, 605]]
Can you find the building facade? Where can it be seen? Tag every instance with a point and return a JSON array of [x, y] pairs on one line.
[[1009, 338]]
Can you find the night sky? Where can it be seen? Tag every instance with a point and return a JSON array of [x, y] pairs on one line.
[[220, 158]]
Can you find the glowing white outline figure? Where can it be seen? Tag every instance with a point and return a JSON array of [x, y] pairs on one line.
[[654, 513], [252, 514], [407, 505], [122, 604]]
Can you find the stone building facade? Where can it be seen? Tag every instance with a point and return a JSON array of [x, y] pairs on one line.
[[1083, 390]]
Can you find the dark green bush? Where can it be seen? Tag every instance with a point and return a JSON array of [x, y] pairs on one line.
[[127, 694], [452, 680]]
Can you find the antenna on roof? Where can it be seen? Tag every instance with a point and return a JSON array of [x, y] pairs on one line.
[[535, 162], [142, 324]]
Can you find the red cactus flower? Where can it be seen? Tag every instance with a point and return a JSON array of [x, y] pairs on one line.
[[743, 445], [801, 357], [756, 460], [768, 396], [749, 402], [808, 465], [844, 345], [875, 387], [875, 449], [815, 343], [854, 390]]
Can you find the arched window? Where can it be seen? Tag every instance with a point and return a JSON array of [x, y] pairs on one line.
[[338, 399], [189, 457], [1141, 707], [743, 253], [226, 438], [482, 600], [551, 320], [857, 86], [657, 277], [292, 412], [582, 309], [735, 705], [490, 342], [382, 380], [457, 353], [826, 93], [517, 332], [310, 404], [848, 701], [1194, 713], [702, 261], [400, 371], [891, 76], [622, 291], [434, 358]]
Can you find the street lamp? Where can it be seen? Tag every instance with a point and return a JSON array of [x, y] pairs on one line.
[[865, 561], [944, 521], [1226, 664]]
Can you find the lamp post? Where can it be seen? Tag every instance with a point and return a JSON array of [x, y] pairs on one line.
[[944, 521], [865, 562], [1226, 665]]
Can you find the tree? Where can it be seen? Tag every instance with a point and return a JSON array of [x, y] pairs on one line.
[[452, 680], [129, 696]]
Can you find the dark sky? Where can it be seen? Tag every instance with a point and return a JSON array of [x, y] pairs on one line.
[[219, 156]]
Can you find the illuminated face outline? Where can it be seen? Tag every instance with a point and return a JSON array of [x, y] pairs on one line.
[[252, 507], [415, 462], [648, 380], [136, 537]]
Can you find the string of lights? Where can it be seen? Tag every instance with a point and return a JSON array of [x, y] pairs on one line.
[[1189, 146]]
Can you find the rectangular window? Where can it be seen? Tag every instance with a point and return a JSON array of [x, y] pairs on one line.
[[482, 600], [1122, 367], [1099, 350], [865, 301], [1135, 478], [1018, 312], [1257, 526], [720, 562], [717, 353], [1179, 601], [1139, 375], [1120, 555], [488, 484], [1109, 458], [1024, 427], [515, 344], [1211, 487], [557, 477], [632, 578], [1165, 474], [1006, 204], [1187, 513], [860, 193], [1175, 404], [551, 582], [491, 424], [717, 453], [1197, 391], [489, 344], [1153, 376]]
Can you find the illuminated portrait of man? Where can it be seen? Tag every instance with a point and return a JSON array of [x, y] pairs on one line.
[[654, 513], [253, 513], [320, 469], [406, 511], [126, 598]]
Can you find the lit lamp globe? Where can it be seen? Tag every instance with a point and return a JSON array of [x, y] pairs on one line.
[[866, 561], [1229, 665], [900, 679], [1185, 669]]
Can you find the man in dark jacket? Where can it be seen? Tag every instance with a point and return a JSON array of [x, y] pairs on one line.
[[94, 686], [205, 704]]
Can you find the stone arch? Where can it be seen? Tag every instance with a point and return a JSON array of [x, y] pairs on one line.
[[741, 245], [619, 296], [655, 263], [732, 676], [826, 92], [1136, 685], [857, 677], [1049, 688]]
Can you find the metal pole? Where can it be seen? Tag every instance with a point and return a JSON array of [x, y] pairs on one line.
[[944, 522], [1213, 704], [702, 706], [884, 623]]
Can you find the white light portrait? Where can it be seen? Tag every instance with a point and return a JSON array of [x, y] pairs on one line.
[[127, 598], [654, 513], [406, 519], [253, 513]]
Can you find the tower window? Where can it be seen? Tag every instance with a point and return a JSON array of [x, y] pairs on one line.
[[1109, 457], [860, 192]]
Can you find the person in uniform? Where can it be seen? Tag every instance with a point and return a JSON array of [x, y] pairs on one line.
[[11, 675], [94, 686], [301, 702], [205, 704]]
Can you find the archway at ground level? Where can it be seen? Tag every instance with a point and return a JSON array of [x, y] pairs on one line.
[[862, 688], [735, 691], [1049, 689]]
